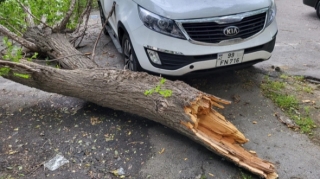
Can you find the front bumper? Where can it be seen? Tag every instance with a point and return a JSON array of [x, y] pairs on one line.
[[174, 61], [181, 56]]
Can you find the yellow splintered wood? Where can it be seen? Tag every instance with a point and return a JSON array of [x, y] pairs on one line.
[[221, 127], [201, 112], [223, 137]]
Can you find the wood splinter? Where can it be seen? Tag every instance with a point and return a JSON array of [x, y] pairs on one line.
[[220, 136]]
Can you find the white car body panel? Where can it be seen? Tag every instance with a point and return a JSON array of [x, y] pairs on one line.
[[190, 9]]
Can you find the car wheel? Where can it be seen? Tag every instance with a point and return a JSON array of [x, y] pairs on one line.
[[130, 59], [318, 9], [103, 20]]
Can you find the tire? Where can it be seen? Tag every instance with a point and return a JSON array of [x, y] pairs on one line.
[[130, 59], [103, 20], [318, 9]]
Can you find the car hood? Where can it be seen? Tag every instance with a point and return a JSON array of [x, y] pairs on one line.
[[191, 9]]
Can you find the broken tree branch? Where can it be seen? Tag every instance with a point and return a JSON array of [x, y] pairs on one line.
[[12, 27], [62, 25], [187, 111], [43, 22], [13, 65], [58, 46], [18, 39], [31, 17], [103, 27], [85, 27], [5, 20], [86, 11]]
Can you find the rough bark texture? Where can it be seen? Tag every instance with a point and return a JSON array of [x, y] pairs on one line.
[[188, 110], [18, 39], [57, 46]]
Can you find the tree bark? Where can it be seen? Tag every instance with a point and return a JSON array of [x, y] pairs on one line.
[[18, 39], [187, 111], [57, 46]]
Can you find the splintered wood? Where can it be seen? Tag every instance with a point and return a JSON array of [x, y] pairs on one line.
[[223, 137]]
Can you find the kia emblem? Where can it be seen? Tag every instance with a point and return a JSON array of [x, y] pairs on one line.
[[231, 31]]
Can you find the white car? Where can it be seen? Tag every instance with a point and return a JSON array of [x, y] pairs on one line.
[[176, 37]]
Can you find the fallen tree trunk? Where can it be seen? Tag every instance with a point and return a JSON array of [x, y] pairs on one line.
[[188, 110]]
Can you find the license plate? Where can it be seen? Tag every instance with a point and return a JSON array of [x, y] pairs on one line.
[[229, 58]]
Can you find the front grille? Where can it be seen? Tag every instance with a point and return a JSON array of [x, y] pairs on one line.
[[212, 32]]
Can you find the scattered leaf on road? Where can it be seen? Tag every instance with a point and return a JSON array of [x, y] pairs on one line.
[[163, 149], [306, 101], [11, 152], [94, 120]]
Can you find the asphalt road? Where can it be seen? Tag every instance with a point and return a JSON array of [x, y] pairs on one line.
[[295, 156], [298, 41]]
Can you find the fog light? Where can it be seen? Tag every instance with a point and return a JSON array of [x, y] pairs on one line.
[[154, 57]]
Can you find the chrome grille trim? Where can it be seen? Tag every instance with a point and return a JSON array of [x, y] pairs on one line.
[[223, 20]]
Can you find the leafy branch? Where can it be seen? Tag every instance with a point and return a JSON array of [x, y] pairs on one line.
[[158, 89], [13, 54]]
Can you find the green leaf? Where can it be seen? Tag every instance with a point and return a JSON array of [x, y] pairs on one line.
[[25, 76], [162, 81], [6, 57], [4, 40], [4, 71], [165, 93], [157, 88], [148, 92], [9, 44], [35, 55]]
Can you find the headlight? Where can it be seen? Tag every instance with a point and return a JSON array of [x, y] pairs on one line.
[[160, 24], [271, 12]]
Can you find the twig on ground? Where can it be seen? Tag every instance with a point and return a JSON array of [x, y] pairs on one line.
[[86, 11], [104, 26], [83, 33], [85, 27], [36, 168]]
